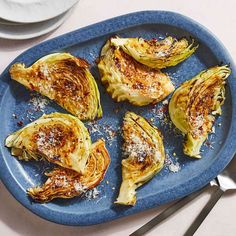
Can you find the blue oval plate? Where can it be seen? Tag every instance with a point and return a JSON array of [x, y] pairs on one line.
[[164, 187]]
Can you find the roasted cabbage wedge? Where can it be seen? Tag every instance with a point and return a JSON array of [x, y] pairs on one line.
[[59, 138], [64, 79], [66, 183], [156, 54], [195, 103], [144, 154], [127, 79]]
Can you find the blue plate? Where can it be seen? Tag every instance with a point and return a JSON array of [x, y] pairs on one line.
[[166, 186]]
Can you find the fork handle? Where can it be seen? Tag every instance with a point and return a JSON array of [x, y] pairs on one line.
[[205, 211], [167, 212]]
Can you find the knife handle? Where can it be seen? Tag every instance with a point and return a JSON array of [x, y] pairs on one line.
[[166, 213], [205, 211]]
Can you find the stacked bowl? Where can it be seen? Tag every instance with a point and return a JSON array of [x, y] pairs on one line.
[[24, 19]]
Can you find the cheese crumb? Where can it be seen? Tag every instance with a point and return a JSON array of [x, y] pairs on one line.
[[174, 167], [139, 148], [80, 188], [92, 194], [213, 130], [165, 102], [39, 103]]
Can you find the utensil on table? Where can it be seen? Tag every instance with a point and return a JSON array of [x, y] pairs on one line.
[[223, 182]]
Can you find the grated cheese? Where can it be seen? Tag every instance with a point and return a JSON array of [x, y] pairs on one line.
[[61, 181], [104, 130], [92, 194], [41, 139], [138, 147], [161, 54], [213, 130], [165, 102], [45, 71], [39, 103], [173, 167], [80, 188]]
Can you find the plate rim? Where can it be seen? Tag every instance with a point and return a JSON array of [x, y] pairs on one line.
[[93, 31], [54, 24], [22, 19]]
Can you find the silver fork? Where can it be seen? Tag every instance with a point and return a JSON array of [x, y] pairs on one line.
[[223, 182]]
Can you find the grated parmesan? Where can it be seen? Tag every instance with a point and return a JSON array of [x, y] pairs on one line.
[[173, 167], [165, 102], [103, 130], [213, 130], [39, 103], [61, 181], [45, 71], [92, 194], [161, 54], [138, 147], [80, 188]]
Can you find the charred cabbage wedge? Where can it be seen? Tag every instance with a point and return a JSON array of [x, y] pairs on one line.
[[127, 79], [64, 79], [144, 156], [66, 183], [195, 103], [156, 54], [59, 138]]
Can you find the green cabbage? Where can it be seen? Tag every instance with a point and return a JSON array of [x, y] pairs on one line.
[[127, 79], [59, 138], [144, 156], [195, 103], [156, 54], [66, 80]]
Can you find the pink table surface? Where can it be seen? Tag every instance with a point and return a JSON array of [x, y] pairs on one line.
[[218, 16]]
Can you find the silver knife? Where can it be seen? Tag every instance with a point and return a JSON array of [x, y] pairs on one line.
[[225, 181]]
